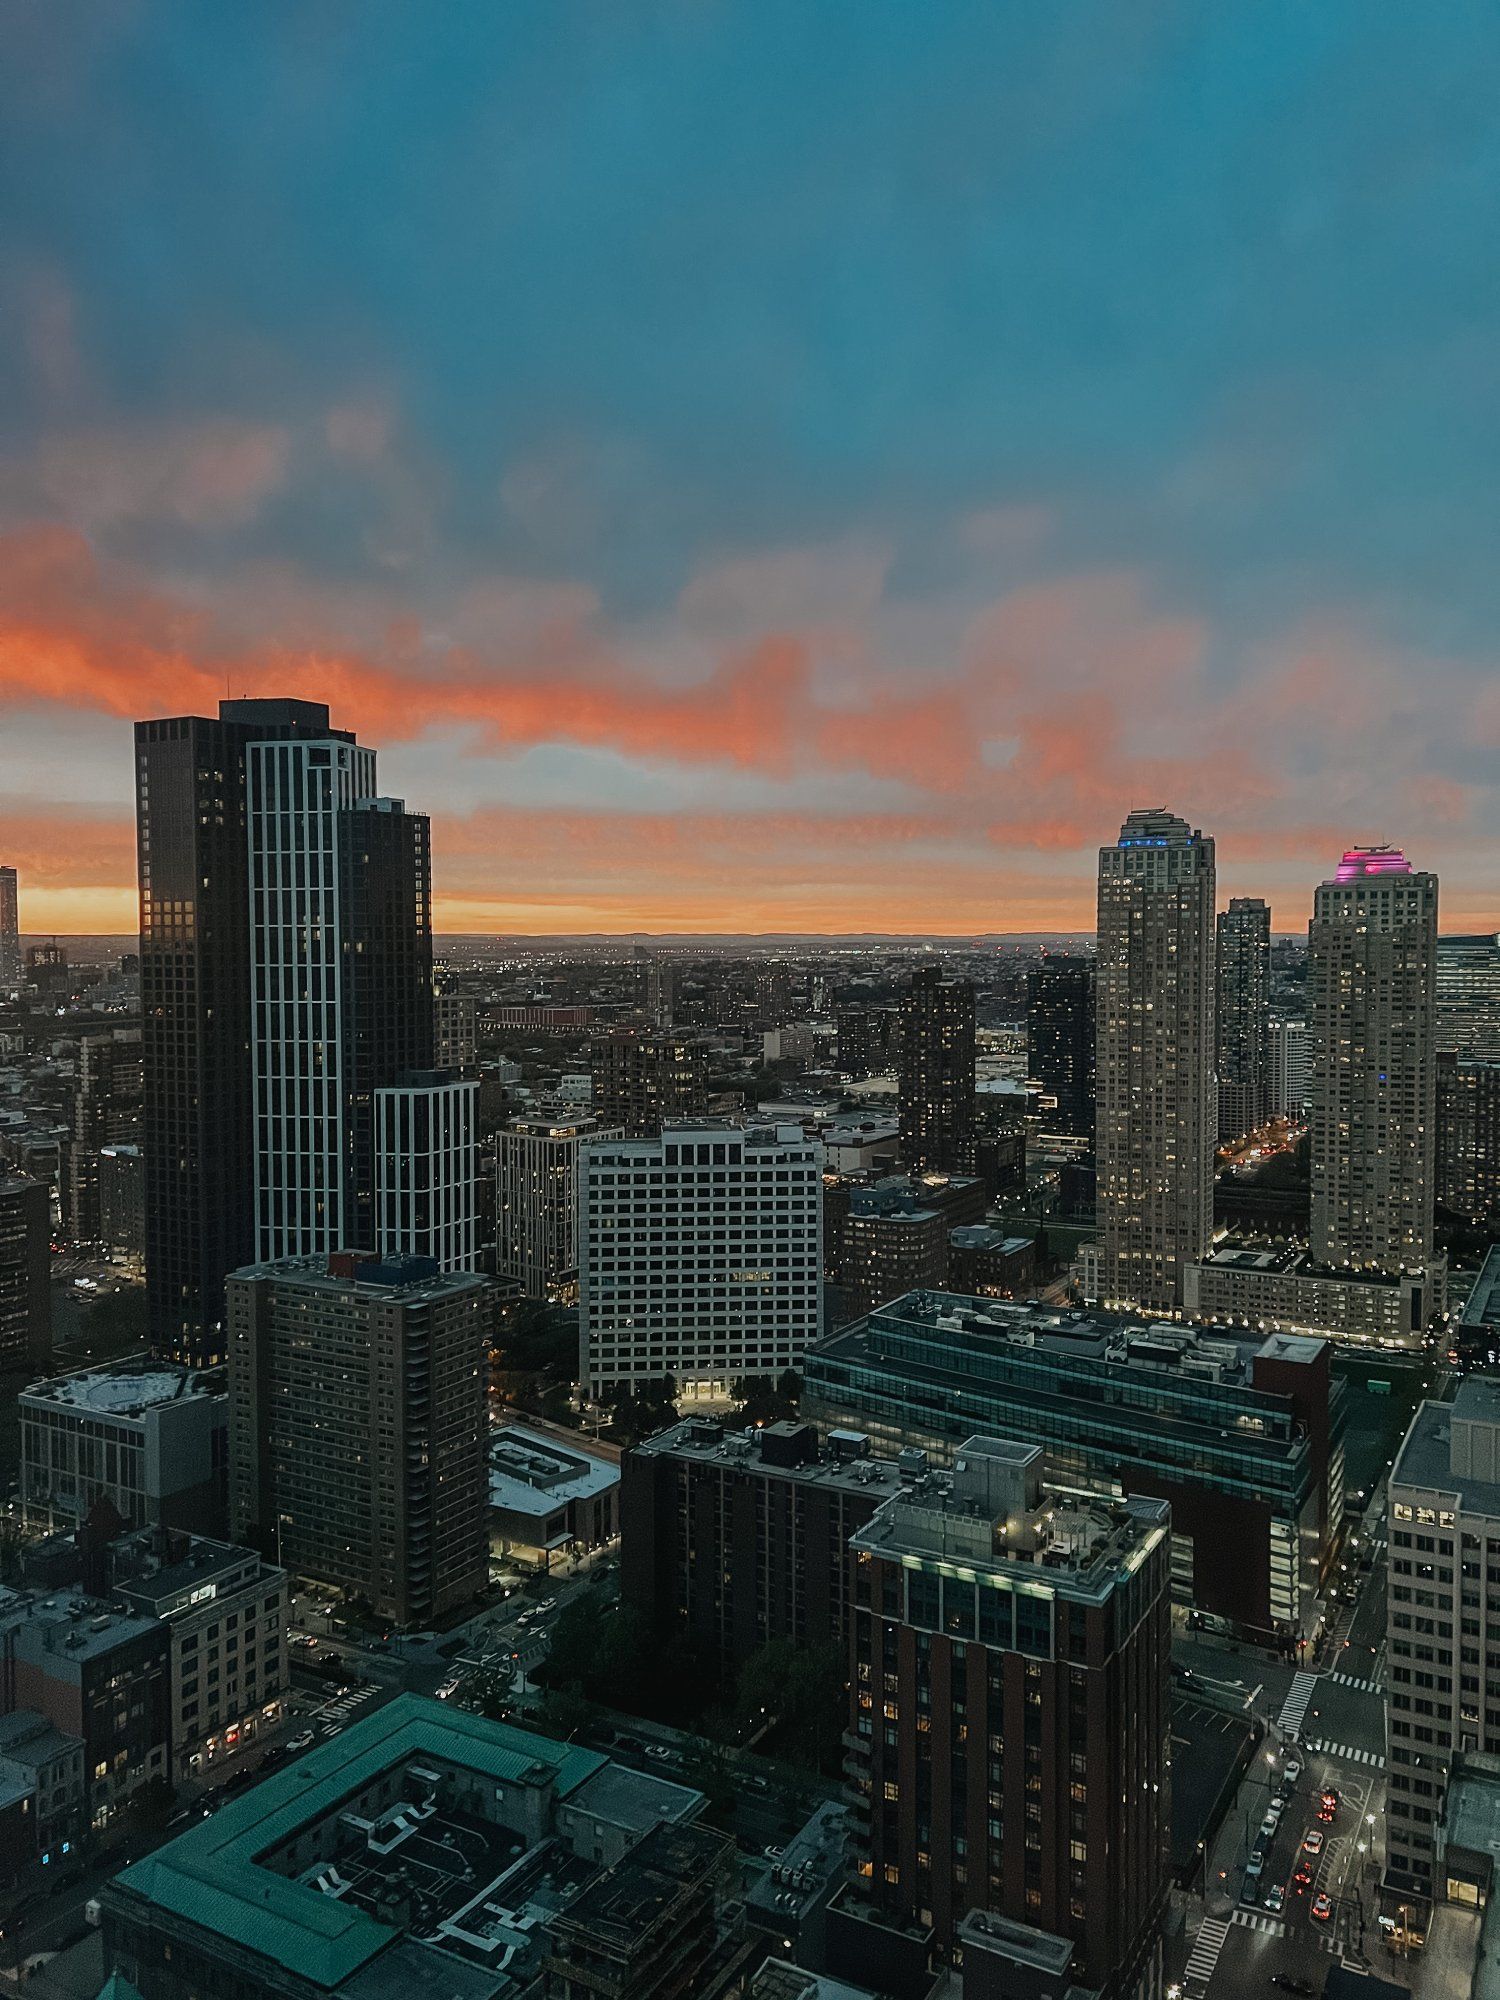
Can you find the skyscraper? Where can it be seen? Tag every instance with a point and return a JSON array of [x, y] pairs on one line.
[[1468, 994], [1289, 1069], [1468, 1135], [1157, 1105], [1372, 951], [25, 1274], [937, 1073], [1060, 1043], [10, 931], [1244, 1009], [426, 1192], [198, 1128]]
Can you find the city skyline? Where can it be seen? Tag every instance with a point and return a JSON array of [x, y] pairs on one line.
[[819, 528]]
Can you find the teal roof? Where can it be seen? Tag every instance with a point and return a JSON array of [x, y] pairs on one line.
[[118, 1987], [210, 1874]]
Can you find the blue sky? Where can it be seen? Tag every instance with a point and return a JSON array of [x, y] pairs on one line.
[[954, 424]]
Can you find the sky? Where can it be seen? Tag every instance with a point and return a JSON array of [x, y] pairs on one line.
[[765, 465]]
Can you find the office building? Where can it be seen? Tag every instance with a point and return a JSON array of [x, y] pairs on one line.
[[1244, 1009], [10, 932], [337, 1875], [96, 1673], [1157, 1104], [1468, 1135], [426, 1194], [121, 1196], [1289, 1069], [1467, 995], [455, 1030], [549, 1499], [536, 1202], [1442, 1612], [1060, 1044], [151, 1439], [1244, 1437], [888, 1241], [25, 1273], [700, 1256], [198, 1131], [937, 1073], [226, 1612], [1284, 1290], [728, 1540], [358, 1424], [1010, 1712], [643, 1082], [1370, 990]]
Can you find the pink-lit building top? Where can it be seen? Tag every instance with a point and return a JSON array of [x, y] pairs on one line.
[[1361, 862]]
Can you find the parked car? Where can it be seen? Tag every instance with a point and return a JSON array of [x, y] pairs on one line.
[[1275, 1897], [1312, 1840], [1322, 1908], [304, 1741]]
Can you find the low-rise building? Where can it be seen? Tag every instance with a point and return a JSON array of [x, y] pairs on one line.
[[150, 1437], [426, 1851], [986, 1263], [40, 1759], [547, 1498], [1284, 1291]]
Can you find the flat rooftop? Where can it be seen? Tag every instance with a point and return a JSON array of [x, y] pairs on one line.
[[59, 1627], [404, 1279], [206, 1566], [128, 1391], [1425, 1457], [533, 1474], [844, 1464], [1483, 1305]]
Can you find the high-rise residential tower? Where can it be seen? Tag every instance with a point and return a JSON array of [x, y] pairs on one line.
[[10, 931], [937, 1073], [1372, 953], [1244, 1012], [25, 1274], [198, 1126], [1468, 994], [1289, 1069], [1157, 1104], [1060, 1043], [536, 1204]]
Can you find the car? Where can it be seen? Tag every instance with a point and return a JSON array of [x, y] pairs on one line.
[[449, 1687], [1274, 1898], [1302, 1880], [661, 1753], [1328, 1805], [304, 1741], [1290, 1983], [1291, 1771], [1271, 1821], [1312, 1841], [1322, 1907]]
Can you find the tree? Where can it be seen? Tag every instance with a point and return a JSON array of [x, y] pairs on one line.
[[764, 1401], [798, 1693]]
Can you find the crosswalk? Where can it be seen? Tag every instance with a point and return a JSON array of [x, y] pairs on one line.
[[1353, 1681], [1204, 1955], [1258, 1920], [338, 1711], [1295, 1707], [1345, 1752]]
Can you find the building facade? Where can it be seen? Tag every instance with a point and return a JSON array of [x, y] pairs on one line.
[[1289, 1069], [1442, 1617], [1060, 1038], [1468, 1134], [936, 1073], [358, 1424], [1467, 991], [426, 1193], [1010, 1711], [10, 932], [728, 1541], [1243, 1012], [700, 1256], [644, 1082], [25, 1273], [1244, 1437], [152, 1440], [1157, 1103], [536, 1202]]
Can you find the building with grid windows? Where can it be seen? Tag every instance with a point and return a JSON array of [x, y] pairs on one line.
[[700, 1256], [536, 1202], [1244, 1437], [1467, 992], [1468, 1135], [1243, 1016], [426, 1195], [936, 1073], [1010, 1669], [1442, 1617]]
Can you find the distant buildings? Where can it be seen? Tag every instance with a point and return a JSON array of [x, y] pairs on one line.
[[1443, 1606], [121, 1194], [25, 1273], [1060, 1039], [1468, 1135], [151, 1439], [1467, 995], [728, 1541], [1010, 1716], [937, 1073], [358, 1427], [555, 1866], [10, 932], [106, 1112], [1243, 1437], [536, 1202], [1243, 1009], [700, 1256], [1157, 1105], [1289, 1069], [642, 1083], [455, 1030]]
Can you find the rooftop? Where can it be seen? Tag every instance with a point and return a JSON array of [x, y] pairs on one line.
[[66, 1627], [197, 1573], [1482, 1308], [126, 1391], [1425, 1459], [406, 1280], [844, 1460], [812, 1859], [533, 1474]]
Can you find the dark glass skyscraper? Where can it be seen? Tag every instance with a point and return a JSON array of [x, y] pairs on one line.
[[1060, 1043], [197, 1127], [937, 1073], [1244, 1016]]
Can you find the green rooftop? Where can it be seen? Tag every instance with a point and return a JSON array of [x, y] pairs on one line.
[[211, 1875]]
